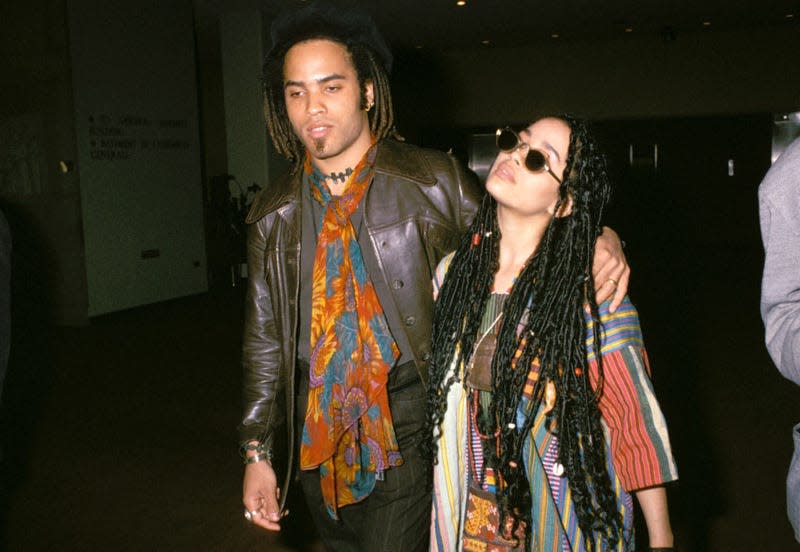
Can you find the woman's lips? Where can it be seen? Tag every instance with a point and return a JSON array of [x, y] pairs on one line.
[[505, 172]]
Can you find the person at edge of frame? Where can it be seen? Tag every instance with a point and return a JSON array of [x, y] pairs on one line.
[[341, 252], [779, 215]]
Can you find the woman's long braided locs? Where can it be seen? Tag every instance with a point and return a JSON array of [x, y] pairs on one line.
[[459, 308]]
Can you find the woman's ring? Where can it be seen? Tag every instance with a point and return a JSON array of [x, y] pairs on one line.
[[613, 281], [250, 515]]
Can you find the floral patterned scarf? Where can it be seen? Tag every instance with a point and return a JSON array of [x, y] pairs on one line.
[[348, 431]]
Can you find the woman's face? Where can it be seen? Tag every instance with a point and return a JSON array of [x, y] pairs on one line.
[[516, 188]]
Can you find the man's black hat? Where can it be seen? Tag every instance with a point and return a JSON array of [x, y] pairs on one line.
[[322, 19]]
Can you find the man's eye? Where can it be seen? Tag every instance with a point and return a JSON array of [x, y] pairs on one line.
[[333, 88], [295, 93]]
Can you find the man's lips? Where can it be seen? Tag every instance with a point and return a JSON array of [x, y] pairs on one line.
[[318, 130]]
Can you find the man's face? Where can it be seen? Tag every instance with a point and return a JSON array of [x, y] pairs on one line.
[[323, 101]]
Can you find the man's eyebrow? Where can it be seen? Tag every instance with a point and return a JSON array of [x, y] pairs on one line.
[[321, 80]]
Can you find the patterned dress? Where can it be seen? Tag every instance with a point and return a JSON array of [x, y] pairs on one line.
[[639, 454]]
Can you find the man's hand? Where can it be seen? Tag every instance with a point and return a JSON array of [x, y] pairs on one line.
[[260, 495], [610, 270]]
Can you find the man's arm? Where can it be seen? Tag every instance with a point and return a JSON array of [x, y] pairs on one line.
[[610, 269], [261, 360], [469, 193]]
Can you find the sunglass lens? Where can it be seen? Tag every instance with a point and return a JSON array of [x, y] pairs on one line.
[[535, 160], [507, 140]]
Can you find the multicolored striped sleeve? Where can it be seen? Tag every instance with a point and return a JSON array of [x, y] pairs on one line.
[[637, 431], [439, 273]]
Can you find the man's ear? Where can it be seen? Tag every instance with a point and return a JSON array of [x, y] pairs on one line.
[[369, 94]]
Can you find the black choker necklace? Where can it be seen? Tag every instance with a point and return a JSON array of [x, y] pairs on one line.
[[340, 176]]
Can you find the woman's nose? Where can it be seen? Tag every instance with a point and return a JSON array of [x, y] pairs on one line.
[[519, 152]]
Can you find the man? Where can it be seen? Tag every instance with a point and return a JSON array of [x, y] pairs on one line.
[[779, 211], [341, 253]]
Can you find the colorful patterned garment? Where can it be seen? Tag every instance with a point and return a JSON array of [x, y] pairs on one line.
[[348, 431], [640, 455]]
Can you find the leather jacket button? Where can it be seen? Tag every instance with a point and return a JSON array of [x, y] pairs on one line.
[[410, 320], [426, 356], [397, 284]]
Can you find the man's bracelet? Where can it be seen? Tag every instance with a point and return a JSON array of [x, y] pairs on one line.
[[259, 448], [259, 457]]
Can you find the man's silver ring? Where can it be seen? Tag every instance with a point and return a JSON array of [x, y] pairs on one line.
[[250, 515]]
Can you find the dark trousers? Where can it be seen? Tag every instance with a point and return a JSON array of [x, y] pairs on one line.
[[397, 513]]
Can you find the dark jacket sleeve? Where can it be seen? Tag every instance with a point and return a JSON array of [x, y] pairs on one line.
[[261, 348]]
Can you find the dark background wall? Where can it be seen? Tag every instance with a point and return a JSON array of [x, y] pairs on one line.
[[687, 73]]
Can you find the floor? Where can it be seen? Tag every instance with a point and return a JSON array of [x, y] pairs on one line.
[[120, 434]]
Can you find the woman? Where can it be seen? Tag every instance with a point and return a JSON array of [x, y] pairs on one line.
[[534, 432]]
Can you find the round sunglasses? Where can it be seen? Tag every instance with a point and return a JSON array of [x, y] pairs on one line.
[[535, 161]]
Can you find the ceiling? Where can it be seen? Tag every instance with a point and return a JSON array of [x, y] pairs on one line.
[[441, 24]]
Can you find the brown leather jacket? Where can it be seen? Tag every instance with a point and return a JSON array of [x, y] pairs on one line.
[[417, 207]]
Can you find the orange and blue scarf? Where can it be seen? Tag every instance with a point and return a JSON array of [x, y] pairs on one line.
[[348, 431]]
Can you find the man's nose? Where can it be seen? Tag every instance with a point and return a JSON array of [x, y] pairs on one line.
[[316, 105]]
